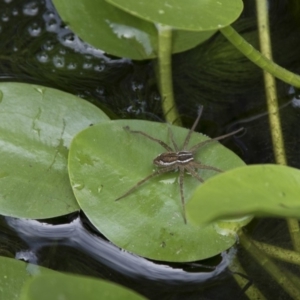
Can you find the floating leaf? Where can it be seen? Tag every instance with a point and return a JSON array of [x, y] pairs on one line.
[[110, 29], [13, 275], [186, 15], [37, 125], [70, 287], [105, 161], [261, 190]]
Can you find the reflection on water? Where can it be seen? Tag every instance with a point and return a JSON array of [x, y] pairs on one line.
[[71, 247]]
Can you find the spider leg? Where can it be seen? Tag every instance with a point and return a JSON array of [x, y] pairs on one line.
[[194, 173], [157, 172], [187, 139], [201, 166], [163, 144], [181, 178], [201, 144], [172, 139]]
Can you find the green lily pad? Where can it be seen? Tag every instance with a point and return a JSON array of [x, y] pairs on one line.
[[114, 31], [187, 15], [70, 287], [37, 125], [106, 160], [261, 190], [13, 275]]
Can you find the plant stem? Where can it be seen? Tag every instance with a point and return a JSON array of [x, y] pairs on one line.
[[272, 103], [293, 226], [256, 57], [279, 253], [252, 292], [281, 277], [270, 84], [165, 74]]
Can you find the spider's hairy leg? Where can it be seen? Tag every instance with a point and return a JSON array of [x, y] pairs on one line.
[[198, 165], [157, 172], [172, 139], [187, 139], [181, 178], [194, 173], [163, 144], [201, 144]]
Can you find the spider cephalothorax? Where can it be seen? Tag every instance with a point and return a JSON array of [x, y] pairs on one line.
[[178, 159]]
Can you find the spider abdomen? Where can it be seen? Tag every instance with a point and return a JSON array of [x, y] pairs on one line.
[[173, 158]]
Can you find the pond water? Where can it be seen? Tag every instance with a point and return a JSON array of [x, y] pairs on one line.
[[36, 47]]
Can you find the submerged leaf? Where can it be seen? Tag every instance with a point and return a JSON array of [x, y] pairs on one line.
[[261, 190], [105, 161]]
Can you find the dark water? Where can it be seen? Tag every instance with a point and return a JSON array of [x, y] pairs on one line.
[[36, 47]]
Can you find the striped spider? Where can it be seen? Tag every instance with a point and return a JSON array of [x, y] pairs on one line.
[[178, 159]]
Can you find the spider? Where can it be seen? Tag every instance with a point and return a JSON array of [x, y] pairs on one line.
[[178, 159]]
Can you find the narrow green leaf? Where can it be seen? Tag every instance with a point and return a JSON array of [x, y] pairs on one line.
[[260, 190], [37, 125], [191, 15], [105, 161]]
